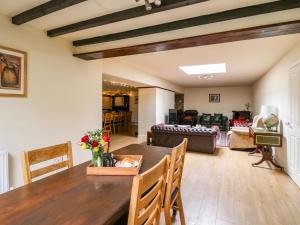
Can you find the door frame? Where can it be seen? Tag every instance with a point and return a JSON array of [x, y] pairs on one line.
[[291, 172]]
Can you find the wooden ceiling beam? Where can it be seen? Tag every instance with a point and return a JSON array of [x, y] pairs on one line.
[[120, 16], [195, 21], [42, 10], [271, 30]]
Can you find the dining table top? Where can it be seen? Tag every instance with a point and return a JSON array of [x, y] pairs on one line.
[[72, 197]]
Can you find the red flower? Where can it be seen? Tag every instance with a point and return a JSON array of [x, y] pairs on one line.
[[85, 139], [95, 144], [105, 138]]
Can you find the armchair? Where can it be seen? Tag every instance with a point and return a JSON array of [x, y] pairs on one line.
[[189, 117], [220, 120], [239, 136]]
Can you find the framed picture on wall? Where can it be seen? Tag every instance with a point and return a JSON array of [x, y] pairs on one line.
[[13, 72], [214, 98]]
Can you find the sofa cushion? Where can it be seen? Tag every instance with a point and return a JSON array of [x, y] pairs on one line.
[[206, 117], [218, 117], [188, 117], [185, 130]]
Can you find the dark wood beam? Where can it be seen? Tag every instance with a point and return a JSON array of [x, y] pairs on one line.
[[42, 10], [121, 15], [195, 21], [271, 30]]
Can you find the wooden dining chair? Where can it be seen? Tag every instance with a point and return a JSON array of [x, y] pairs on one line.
[[128, 117], [33, 157], [173, 198], [147, 195], [115, 122], [107, 122], [122, 118]]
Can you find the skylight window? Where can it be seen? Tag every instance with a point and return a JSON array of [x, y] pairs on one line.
[[204, 69]]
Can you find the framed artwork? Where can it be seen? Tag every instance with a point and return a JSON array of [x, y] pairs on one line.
[[13, 72], [214, 98]]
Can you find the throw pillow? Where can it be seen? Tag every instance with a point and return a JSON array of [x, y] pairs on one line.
[[188, 118], [218, 117], [206, 117]]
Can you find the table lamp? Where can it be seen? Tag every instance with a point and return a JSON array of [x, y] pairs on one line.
[[269, 117]]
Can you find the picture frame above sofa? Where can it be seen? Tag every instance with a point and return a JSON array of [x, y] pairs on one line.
[[214, 98]]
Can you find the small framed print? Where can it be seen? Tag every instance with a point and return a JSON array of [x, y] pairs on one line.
[[214, 98], [13, 72]]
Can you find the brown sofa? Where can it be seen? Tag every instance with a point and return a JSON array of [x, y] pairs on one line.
[[199, 139]]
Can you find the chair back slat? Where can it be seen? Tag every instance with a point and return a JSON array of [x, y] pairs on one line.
[[145, 200], [147, 195], [47, 153], [48, 169], [151, 209], [173, 198], [107, 117], [176, 166], [41, 155]]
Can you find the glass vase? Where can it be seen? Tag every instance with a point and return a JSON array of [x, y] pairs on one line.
[[97, 160]]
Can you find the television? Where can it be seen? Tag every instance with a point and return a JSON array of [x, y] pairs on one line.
[[173, 116]]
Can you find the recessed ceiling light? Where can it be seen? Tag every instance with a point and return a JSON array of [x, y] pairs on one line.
[[204, 69]]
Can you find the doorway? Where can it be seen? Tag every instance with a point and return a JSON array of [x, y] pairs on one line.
[[120, 112]]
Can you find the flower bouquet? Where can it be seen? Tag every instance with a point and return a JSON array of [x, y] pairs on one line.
[[97, 143]]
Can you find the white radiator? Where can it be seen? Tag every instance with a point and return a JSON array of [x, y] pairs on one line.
[[4, 187]]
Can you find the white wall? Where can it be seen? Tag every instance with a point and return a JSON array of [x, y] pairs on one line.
[[133, 107], [272, 89], [154, 105], [232, 98], [165, 100], [147, 111], [62, 102]]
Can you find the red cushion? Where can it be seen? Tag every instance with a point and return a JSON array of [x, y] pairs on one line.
[[188, 117], [240, 123]]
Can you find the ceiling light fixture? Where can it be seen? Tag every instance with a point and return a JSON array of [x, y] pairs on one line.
[[204, 69], [205, 77], [148, 5]]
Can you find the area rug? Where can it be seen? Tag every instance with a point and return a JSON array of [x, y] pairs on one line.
[[222, 139]]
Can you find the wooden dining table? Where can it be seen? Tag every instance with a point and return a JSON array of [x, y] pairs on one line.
[[71, 197]]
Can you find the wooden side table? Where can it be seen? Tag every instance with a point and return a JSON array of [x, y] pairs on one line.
[[265, 140]]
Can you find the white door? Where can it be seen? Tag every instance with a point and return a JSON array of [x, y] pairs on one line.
[[293, 141]]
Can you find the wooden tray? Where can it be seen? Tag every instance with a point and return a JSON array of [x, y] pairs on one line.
[[116, 171]]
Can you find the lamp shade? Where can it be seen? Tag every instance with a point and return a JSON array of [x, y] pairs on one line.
[[267, 109]]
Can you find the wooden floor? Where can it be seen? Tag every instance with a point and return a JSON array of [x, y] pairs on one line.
[[121, 140], [224, 189]]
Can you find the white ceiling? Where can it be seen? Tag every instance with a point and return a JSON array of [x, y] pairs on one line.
[[246, 60]]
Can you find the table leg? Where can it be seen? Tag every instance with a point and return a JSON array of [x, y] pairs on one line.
[[267, 156], [257, 150]]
